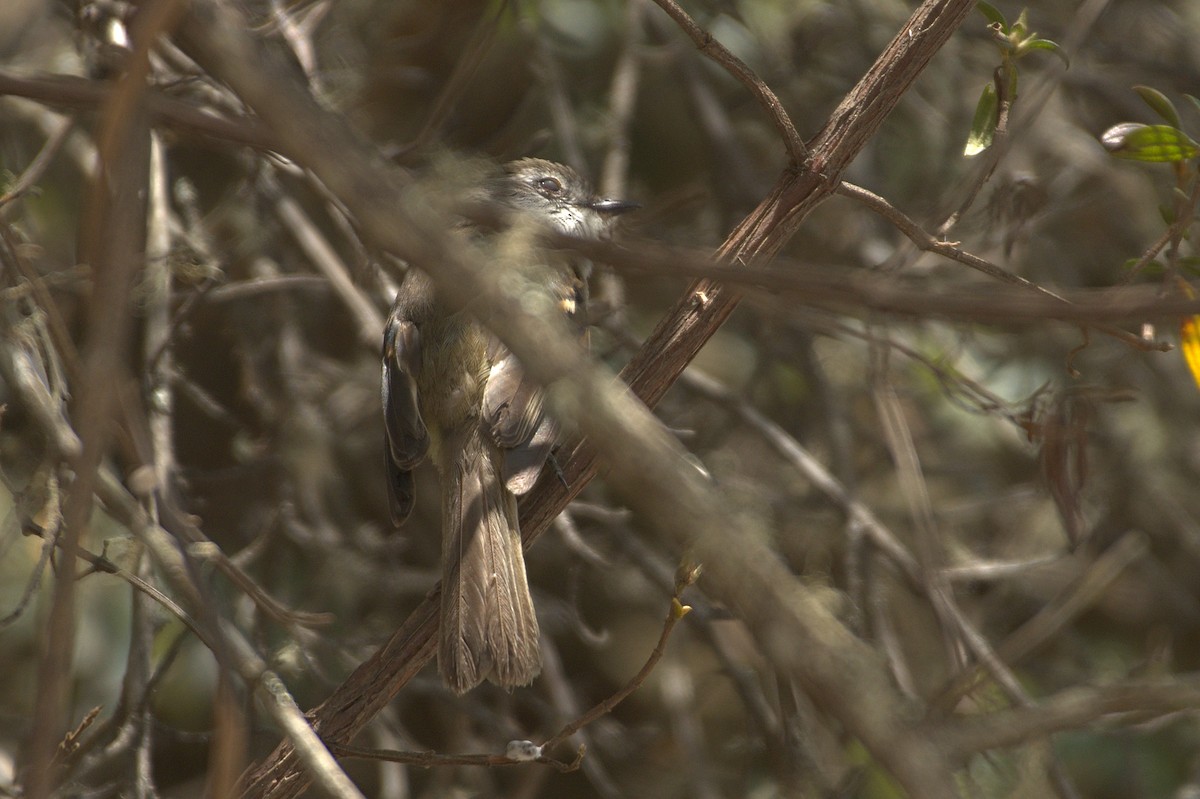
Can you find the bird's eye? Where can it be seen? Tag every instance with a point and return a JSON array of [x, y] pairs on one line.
[[549, 185]]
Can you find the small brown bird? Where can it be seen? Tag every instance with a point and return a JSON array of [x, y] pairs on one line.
[[451, 388]]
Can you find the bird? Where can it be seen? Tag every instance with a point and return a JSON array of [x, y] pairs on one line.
[[452, 391]]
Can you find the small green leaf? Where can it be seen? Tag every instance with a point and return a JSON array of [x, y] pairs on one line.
[[1020, 28], [992, 13], [1190, 264], [983, 126], [1150, 269], [1156, 144], [1194, 101], [1045, 44], [1159, 103]]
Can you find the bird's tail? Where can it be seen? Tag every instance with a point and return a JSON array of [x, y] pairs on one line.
[[488, 627]]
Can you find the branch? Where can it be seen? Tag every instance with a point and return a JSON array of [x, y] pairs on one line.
[[112, 241], [226, 640], [928, 243], [706, 44], [706, 305], [1070, 709], [676, 612], [66, 91], [526, 751]]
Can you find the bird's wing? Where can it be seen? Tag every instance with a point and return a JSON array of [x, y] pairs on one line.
[[512, 409], [407, 436], [513, 416]]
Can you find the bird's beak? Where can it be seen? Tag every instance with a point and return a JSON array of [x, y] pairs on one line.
[[612, 207]]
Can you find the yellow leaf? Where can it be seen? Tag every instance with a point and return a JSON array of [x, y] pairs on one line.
[[1189, 334]]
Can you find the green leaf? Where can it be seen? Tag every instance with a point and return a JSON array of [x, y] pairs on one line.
[[983, 126], [1155, 144], [1045, 44], [1151, 268], [1159, 103], [1190, 264], [1194, 101], [1020, 28], [994, 17]]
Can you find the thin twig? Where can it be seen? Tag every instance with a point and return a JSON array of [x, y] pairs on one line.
[[560, 693], [706, 44], [622, 100], [926, 242], [464, 70], [103, 565], [861, 516], [1033, 103], [38, 166], [1185, 215], [1055, 615], [808, 465], [897, 436], [558, 101], [1126, 702], [368, 320], [431, 759], [859, 291], [206, 550], [48, 524], [297, 30], [69, 91], [111, 234], [704, 617], [676, 612], [163, 547]]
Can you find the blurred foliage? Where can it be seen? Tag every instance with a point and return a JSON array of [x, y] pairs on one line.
[[277, 430]]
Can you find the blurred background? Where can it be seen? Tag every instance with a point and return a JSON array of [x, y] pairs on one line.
[[1060, 462]]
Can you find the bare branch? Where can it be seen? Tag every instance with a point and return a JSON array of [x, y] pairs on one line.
[[1125, 703], [114, 209], [928, 243], [74, 92], [706, 44]]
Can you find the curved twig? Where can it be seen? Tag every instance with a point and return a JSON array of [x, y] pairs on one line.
[[796, 149]]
